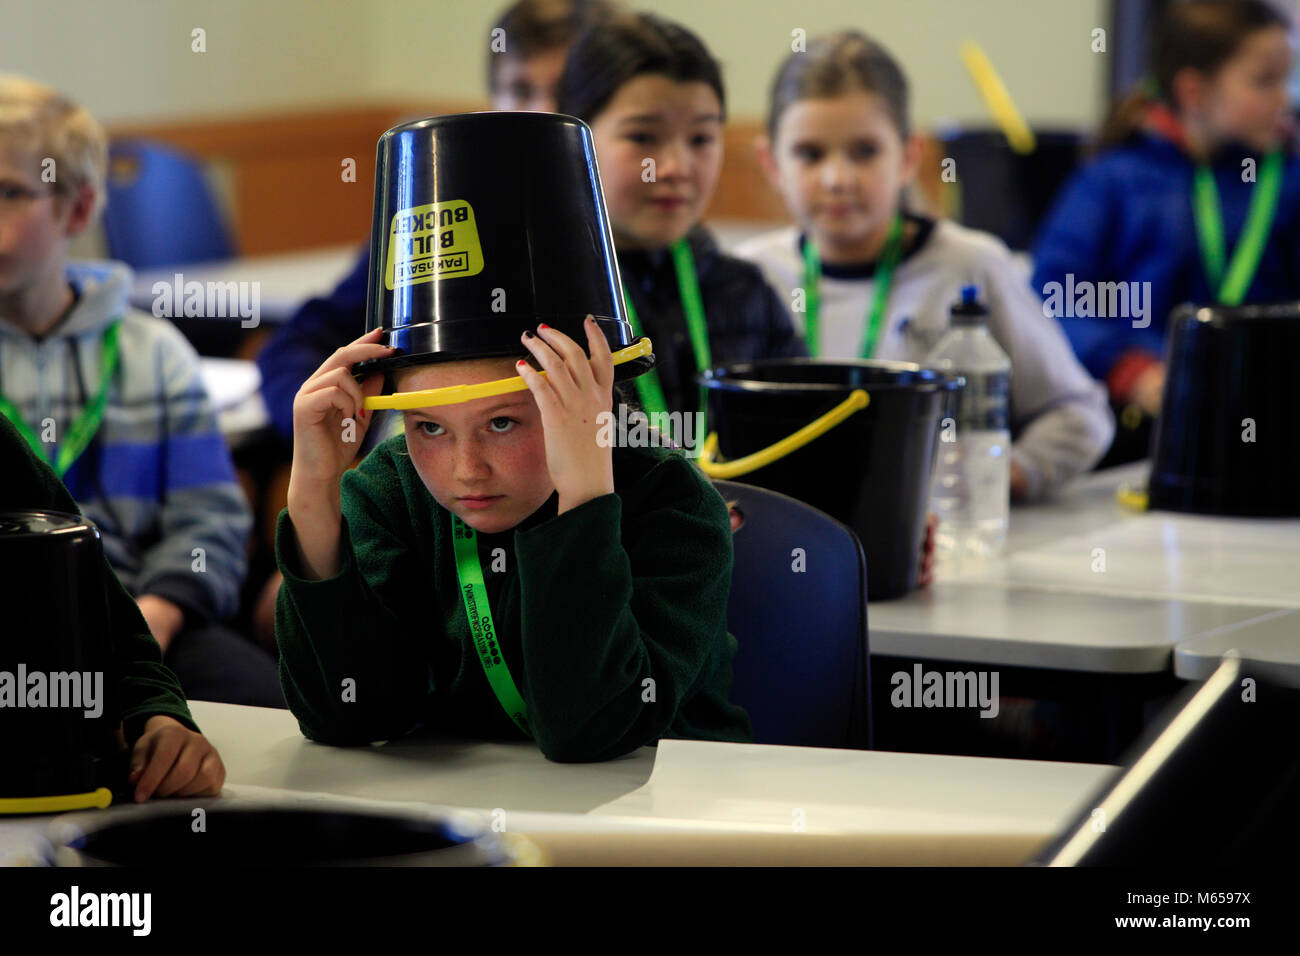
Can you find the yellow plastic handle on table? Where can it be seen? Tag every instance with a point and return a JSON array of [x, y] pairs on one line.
[[857, 400], [1134, 499], [61, 804], [454, 394]]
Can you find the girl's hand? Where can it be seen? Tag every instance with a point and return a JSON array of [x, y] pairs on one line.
[[1148, 390], [170, 760], [574, 392], [324, 444]]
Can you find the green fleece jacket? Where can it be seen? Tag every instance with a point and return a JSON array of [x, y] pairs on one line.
[[624, 640], [145, 685]]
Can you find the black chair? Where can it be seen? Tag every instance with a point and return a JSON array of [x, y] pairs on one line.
[[802, 670], [1002, 191]]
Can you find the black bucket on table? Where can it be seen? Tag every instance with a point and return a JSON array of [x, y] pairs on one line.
[[1228, 438], [57, 728], [871, 471], [256, 835]]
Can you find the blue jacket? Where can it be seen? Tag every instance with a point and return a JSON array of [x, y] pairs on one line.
[[1127, 217]]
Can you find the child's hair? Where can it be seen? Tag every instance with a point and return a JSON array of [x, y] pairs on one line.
[[539, 26], [614, 51], [843, 62], [1199, 34], [44, 123]]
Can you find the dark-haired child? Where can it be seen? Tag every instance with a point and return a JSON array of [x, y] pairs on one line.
[[653, 97]]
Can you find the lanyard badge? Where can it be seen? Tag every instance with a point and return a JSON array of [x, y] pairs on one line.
[[473, 592], [1230, 289], [83, 429], [812, 274], [649, 389]]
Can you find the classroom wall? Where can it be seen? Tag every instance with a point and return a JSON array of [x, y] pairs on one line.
[[131, 60]]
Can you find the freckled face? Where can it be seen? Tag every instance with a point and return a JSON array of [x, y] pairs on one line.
[[485, 460]]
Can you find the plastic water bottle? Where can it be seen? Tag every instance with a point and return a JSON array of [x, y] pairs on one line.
[[972, 475]]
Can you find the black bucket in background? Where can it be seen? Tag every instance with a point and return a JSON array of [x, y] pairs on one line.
[[1228, 438], [163, 835], [872, 471]]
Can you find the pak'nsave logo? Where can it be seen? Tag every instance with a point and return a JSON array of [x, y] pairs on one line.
[[438, 240]]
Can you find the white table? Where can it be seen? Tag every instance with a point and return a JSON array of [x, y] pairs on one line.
[[285, 280], [234, 389], [1168, 579], [703, 803], [1273, 641]]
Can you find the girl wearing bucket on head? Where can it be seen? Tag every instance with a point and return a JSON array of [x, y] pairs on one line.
[[499, 570], [654, 98], [1195, 198], [878, 281]]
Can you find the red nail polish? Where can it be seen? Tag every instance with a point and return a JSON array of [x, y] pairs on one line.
[[543, 326], [521, 362]]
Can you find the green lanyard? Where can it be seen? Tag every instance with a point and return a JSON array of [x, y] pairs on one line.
[[87, 423], [648, 387], [812, 274], [469, 572], [1231, 289]]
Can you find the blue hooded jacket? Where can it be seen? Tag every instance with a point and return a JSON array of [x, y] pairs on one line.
[[1127, 217]]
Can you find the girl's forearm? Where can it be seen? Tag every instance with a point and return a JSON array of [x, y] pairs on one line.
[[317, 518]]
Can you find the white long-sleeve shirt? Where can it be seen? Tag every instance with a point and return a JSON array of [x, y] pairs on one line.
[[1060, 418]]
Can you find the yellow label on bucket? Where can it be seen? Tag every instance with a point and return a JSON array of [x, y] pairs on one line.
[[438, 240]]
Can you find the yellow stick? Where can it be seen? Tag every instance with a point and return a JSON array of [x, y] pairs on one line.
[[996, 97]]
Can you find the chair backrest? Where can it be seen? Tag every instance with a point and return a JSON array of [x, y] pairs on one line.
[[160, 209], [798, 610]]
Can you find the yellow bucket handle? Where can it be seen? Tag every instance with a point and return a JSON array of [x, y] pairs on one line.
[[1134, 499], [858, 399], [61, 804], [454, 394]]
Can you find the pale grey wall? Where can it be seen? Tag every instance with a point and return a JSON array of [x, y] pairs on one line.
[[131, 59]]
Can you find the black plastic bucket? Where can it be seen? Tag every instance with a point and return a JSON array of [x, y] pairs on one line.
[[258, 835], [871, 470], [57, 731], [1228, 438], [485, 225]]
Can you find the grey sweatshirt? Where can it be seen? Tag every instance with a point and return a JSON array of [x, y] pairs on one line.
[[1059, 414], [158, 478]]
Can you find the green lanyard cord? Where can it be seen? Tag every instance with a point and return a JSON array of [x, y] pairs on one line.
[[1231, 289], [469, 572], [649, 388], [83, 430], [812, 275]]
